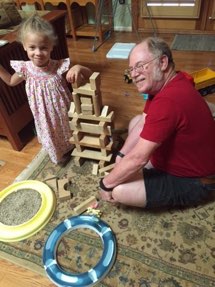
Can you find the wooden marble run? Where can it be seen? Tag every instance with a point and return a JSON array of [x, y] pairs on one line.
[[91, 124]]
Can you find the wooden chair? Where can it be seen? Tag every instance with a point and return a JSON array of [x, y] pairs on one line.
[[38, 3], [69, 13], [91, 30]]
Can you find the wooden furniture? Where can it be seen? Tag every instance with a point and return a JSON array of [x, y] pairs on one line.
[[77, 16], [92, 30], [184, 17], [15, 113], [38, 3], [63, 4]]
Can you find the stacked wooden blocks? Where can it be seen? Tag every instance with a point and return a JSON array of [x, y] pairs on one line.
[[91, 124]]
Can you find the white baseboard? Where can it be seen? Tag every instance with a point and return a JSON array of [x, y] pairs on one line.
[[121, 28]]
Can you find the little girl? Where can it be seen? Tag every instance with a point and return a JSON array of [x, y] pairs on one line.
[[47, 91]]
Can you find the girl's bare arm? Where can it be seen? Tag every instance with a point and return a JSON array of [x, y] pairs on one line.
[[10, 80]]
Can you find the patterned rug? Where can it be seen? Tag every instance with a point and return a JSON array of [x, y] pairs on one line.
[[194, 43], [173, 248]]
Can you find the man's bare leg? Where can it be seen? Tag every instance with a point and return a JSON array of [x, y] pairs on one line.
[[132, 193]]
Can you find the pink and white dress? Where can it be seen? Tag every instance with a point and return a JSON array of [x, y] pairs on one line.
[[49, 99]]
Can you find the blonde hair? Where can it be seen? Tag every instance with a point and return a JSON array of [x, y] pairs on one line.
[[36, 24]]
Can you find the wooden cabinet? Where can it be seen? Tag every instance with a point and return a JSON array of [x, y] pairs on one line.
[[15, 113], [173, 19], [78, 24], [208, 22]]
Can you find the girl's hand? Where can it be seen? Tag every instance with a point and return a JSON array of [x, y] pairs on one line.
[[78, 74]]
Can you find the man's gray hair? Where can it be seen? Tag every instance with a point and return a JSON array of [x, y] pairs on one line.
[[159, 47]]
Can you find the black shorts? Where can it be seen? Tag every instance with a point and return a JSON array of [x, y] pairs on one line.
[[165, 190]]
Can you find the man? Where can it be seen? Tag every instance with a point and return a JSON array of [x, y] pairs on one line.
[[169, 150]]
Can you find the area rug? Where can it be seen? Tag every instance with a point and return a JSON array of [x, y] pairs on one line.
[[194, 43], [172, 248]]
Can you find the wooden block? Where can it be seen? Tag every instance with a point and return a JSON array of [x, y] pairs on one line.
[[90, 141], [91, 128], [104, 152], [78, 161], [63, 193], [97, 104], [50, 177], [77, 103], [79, 148], [95, 169], [86, 107], [74, 124], [52, 181], [95, 81], [108, 119], [104, 111], [86, 100], [77, 136], [103, 140], [85, 90], [102, 163], [87, 112], [84, 205], [92, 154], [107, 168], [71, 109]]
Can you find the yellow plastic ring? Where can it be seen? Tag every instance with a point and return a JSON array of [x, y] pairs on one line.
[[22, 231]]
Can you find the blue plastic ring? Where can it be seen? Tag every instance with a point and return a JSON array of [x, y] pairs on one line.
[[63, 278]]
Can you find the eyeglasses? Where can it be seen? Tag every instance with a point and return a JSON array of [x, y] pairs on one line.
[[139, 67]]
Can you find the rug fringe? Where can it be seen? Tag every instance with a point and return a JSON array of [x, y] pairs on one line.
[[25, 174]]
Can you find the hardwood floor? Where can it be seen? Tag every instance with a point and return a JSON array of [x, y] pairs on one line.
[[120, 96]]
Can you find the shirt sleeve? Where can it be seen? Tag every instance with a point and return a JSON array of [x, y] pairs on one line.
[[63, 66], [161, 121], [18, 66]]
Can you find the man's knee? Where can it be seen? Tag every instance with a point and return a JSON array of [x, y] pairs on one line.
[[125, 195], [118, 192]]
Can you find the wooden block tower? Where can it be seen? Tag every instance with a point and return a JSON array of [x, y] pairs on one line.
[[91, 124]]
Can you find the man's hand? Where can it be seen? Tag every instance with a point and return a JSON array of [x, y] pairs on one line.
[[106, 196]]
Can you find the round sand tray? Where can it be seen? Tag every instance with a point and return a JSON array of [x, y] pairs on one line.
[[17, 232]]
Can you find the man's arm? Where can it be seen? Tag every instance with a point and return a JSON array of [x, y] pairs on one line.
[[134, 135], [131, 163]]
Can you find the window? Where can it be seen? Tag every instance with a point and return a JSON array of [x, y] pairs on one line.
[[170, 8]]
